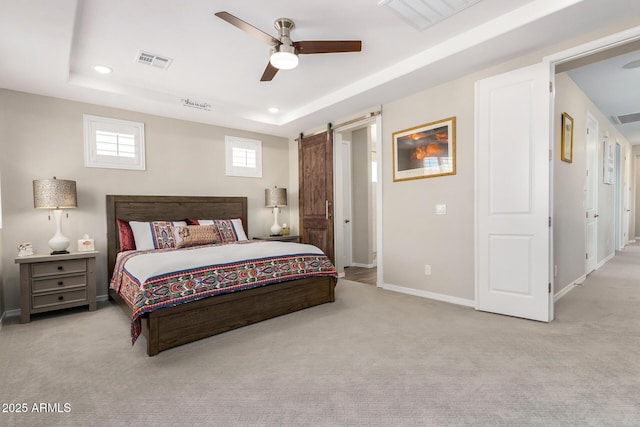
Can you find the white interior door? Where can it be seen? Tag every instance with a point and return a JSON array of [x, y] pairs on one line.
[[512, 145], [626, 197], [591, 196]]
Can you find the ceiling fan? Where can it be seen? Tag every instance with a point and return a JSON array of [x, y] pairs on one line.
[[284, 51]]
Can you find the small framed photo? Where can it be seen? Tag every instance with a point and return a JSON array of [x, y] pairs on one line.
[[608, 164], [425, 151], [566, 147]]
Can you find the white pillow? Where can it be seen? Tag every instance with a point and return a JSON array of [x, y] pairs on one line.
[[154, 234]]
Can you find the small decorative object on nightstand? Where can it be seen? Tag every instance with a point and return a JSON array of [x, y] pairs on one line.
[[54, 282], [295, 239]]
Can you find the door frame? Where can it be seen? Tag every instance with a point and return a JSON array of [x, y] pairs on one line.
[[583, 50], [338, 182]]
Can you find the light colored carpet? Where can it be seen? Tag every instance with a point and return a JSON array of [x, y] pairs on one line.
[[372, 358]]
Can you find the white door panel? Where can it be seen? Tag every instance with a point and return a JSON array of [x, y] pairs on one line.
[[591, 196], [512, 194]]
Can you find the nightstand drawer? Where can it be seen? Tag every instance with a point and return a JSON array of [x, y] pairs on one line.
[[59, 283], [58, 298], [58, 267]]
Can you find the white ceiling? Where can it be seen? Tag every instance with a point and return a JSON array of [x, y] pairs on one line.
[[614, 89], [50, 47]]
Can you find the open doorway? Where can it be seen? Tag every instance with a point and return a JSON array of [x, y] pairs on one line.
[[357, 200]]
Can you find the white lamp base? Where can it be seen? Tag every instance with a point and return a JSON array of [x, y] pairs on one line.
[[275, 228], [58, 243]]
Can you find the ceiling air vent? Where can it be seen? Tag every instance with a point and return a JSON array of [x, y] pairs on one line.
[[628, 118], [422, 14], [153, 60]]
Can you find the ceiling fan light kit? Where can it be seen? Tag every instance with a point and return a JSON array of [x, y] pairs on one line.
[[284, 57], [284, 51]]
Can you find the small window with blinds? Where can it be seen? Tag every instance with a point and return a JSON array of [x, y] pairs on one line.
[[113, 143], [243, 157]]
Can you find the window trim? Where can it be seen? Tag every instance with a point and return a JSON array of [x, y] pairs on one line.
[[93, 124], [232, 142]]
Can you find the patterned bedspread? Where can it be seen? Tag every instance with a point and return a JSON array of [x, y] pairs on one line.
[[153, 279]]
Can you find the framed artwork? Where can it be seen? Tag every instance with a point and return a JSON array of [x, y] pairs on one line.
[[609, 162], [425, 151], [566, 147]]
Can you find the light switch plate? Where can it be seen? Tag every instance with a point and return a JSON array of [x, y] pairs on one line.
[[441, 209]]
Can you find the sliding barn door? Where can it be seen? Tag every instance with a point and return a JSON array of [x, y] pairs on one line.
[[512, 193], [315, 168]]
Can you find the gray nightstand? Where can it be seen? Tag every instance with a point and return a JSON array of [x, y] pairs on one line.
[[295, 239], [54, 282]]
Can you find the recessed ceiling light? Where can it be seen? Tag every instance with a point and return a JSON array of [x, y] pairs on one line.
[[632, 65], [273, 110], [102, 69]]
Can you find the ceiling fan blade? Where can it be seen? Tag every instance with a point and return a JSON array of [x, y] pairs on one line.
[[269, 73], [328, 46], [248, 28]]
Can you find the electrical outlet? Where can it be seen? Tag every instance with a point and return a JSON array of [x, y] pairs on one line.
[[427, 270]]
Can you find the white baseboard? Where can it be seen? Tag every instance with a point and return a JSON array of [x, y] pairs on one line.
[[606, 260], [569, 288], [357, 264], [341, 275], [2, 319], [101, 298], [429, 295]]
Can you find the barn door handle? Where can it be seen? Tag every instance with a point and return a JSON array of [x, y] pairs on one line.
[[327, 212]]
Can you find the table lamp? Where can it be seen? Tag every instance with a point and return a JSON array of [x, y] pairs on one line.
[[55, 194], [274, 198]]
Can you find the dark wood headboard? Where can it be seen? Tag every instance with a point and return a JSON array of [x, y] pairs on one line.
[[167, 208]]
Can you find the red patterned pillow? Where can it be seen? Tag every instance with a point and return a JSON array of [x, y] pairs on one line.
[[125, 236]]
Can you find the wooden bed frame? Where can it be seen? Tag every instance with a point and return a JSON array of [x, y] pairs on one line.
[[173, 326]]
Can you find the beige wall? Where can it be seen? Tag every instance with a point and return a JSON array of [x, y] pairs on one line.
[[42, 138], [413, 234], [569, 183]]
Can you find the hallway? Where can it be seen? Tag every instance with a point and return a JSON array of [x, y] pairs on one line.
[[609, 295]]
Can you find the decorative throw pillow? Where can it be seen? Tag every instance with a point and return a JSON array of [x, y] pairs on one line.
[[195, 235], [230, 230], [154, 234], [125, 236]]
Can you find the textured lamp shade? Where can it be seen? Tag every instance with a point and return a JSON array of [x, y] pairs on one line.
[[275, 197], [54, 194]]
